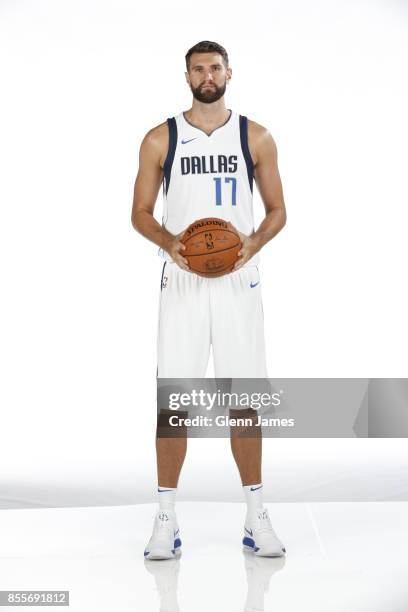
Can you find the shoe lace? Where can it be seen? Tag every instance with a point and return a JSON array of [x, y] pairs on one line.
[[163, 525], [264, 522]]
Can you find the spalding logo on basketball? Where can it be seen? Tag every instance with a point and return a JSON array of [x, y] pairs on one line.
[[212, 246]]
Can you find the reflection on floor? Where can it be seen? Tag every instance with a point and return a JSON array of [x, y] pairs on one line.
[[340, 557], [259, 571]]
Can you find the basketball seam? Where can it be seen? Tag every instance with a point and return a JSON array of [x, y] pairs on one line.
[[212, 252], [205, 231], [216, 272]]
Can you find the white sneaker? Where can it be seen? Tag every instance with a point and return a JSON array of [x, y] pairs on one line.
[[260, 537], [165, 542]]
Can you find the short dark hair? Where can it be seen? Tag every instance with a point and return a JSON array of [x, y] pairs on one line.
[[207, 46]]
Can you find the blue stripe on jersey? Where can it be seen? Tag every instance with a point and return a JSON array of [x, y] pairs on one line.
[[162, 276], [243, 132], [171, 122]]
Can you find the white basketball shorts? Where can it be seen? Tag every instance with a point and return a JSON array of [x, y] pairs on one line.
[[225, 312]]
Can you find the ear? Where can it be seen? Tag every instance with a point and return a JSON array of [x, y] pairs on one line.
[[229, 74], [187, 78]]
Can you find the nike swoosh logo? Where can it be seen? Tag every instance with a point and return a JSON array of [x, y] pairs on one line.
[[186, 141], [252, 285], [256, 488]]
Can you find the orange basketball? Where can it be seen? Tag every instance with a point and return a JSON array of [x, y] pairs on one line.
[[212, 246]]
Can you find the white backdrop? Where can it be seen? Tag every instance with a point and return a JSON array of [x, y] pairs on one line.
[[82, 82]]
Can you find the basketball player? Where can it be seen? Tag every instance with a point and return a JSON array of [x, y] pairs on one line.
[[206, 159]]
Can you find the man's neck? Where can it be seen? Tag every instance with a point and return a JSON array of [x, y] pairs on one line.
[[208, 116]]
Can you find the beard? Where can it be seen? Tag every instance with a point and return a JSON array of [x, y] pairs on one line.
[[208, 94]]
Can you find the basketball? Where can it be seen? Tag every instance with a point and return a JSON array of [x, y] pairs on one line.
[[212, 246]]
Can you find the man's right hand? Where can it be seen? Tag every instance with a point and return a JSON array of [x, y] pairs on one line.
[[175, 250]]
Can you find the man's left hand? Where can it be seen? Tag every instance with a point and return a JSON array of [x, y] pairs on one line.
[[249, 246]]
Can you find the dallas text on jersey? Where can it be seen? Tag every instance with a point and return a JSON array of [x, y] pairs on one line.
[[208, 164]]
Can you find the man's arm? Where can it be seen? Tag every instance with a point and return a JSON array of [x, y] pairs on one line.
[[147, 186], [265, 156]]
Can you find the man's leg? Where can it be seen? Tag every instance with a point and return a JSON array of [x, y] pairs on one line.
[[246, 446], [239, 352], [183, 352], [171, 453]]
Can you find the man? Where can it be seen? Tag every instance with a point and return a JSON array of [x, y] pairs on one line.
[[199, 156]]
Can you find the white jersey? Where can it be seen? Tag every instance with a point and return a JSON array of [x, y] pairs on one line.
[[208, 176]]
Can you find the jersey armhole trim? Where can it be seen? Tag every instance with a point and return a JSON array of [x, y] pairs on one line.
[[172, 125], [243, 132]]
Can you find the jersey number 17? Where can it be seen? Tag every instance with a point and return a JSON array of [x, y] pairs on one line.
[[219, 190]]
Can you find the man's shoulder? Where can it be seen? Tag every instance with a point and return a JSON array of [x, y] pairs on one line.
[[259, 136], [256, 129], [157, 133], [157, 140]]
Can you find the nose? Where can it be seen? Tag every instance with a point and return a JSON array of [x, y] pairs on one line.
[[208, 83]]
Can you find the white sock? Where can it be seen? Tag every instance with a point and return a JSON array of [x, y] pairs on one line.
[[253, 497], [167, 498]]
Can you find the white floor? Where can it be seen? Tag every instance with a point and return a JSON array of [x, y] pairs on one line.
[[348, 557]]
